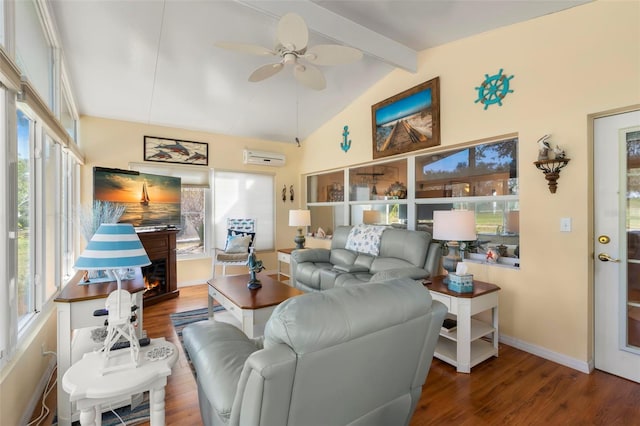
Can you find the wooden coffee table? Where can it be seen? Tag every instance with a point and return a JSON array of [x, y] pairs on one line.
[[252, 308]]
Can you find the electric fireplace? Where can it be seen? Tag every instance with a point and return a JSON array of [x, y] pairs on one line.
[[160, 278]]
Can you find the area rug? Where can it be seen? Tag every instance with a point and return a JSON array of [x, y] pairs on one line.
[[182, 319]]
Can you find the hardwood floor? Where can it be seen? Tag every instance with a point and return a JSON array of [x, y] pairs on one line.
[[515, 389]]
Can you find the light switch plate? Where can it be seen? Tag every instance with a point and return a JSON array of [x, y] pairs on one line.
[[565, 224]]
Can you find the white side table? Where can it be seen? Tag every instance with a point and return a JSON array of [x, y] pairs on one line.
[[76, 304], [284, 256], [473, 341], [90, 390]]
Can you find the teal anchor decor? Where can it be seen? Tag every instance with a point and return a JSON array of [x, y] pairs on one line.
[[345, 144]]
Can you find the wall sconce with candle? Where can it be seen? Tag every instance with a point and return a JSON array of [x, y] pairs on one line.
[[550, 166]]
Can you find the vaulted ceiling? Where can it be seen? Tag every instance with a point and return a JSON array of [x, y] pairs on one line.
[[154, 61]]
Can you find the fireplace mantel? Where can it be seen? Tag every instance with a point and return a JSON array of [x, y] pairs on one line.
[[161, 246]]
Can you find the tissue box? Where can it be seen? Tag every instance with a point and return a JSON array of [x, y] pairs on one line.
[[461, 283]]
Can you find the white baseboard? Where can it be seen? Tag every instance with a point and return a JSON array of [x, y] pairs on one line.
[[582, 366], [38, 393], [193, 282]]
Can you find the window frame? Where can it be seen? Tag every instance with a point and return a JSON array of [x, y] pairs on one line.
[[67, 161]]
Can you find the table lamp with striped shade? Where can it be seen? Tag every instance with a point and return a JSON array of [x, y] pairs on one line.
[[116, 248], [113, 247]]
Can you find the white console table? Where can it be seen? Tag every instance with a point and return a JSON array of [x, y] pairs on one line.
[[474, 340], [75, 305]]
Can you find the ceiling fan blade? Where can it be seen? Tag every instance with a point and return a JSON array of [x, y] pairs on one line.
[[292, 32], [265, 71], [252, 49], [310, 76], [332, 54]]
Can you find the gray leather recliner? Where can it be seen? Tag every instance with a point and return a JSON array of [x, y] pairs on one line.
[[355, 355]]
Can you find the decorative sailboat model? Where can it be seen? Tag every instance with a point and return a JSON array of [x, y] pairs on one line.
[[144, 199]]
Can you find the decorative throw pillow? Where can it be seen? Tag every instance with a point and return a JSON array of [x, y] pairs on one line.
[[365, 239], [231, 234], [238, 244]]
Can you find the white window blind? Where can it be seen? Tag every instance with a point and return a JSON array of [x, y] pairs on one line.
[[244, 195]]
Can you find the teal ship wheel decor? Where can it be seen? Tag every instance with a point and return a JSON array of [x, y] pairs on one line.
[[493, 89]]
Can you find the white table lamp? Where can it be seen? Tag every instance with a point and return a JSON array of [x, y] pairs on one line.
[[115, 248], [453, 226], [299, 218]]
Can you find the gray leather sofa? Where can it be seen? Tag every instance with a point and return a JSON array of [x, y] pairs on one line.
[[403, 253], [356, 355]]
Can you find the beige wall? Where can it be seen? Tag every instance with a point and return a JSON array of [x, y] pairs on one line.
[[112, 143], [20, 379], [566, 66]]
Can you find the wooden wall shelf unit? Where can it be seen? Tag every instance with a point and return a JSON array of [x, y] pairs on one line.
[[161, 245]]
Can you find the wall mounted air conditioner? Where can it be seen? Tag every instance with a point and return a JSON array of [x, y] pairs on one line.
[[263, 158]]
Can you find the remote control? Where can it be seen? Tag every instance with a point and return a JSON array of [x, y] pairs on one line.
[[100, 312], [125, 344]]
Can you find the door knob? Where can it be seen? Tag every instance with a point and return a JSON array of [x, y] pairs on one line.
[[606, 258]]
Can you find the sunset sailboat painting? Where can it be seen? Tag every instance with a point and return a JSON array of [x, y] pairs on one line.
[[149, 200], [144, 199]]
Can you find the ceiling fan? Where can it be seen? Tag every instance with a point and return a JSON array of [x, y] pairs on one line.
[[291, 47]]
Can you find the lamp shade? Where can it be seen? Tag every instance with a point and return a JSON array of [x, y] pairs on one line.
[[370, 217], [299, 218], [513, 222], [454, 225], [113, 246]]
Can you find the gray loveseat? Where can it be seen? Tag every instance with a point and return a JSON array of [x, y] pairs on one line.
[[356, 355], [402, 253]]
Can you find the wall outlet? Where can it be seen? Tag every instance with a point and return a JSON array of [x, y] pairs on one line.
[[565, 224]]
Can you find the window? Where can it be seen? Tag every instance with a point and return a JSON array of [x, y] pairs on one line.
[[68, 116], [34, 55], [2, 23], [39, 176], [51, 220], [191, 238], [482, 178], [384, 185], [24, 211], [69, 200], [245, 195]]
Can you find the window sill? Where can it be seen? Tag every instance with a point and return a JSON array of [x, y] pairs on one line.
[[505, 262], [199, 256]]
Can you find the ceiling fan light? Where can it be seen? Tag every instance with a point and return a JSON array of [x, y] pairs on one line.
[[289, 58]]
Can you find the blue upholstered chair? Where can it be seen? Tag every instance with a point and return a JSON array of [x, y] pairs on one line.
[[238, 242]]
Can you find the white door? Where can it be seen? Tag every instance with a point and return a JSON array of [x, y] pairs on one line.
[[617, 245]]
